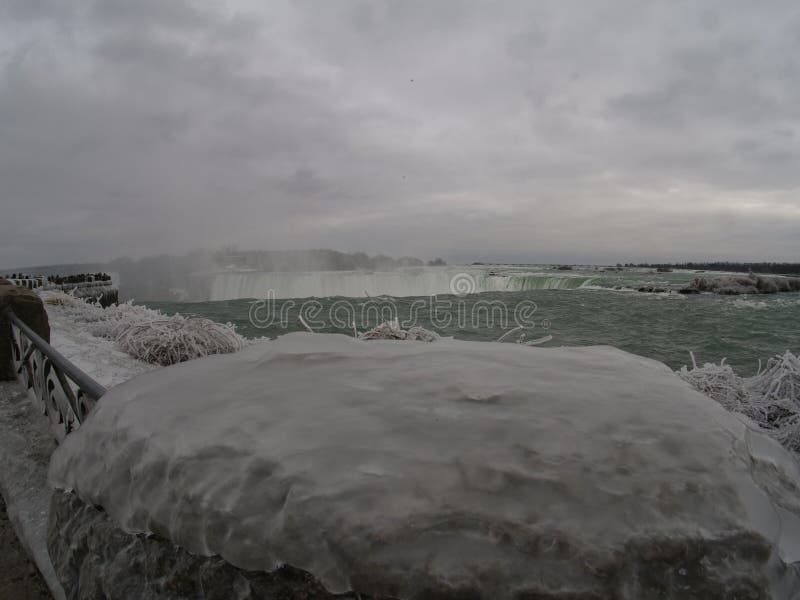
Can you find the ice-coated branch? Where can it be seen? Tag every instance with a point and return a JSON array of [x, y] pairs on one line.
[[771, 398], [148, 334]]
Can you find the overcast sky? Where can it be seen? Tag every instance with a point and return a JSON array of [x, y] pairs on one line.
[[524, 131]]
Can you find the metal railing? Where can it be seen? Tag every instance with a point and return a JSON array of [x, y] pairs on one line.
[[62, 391]]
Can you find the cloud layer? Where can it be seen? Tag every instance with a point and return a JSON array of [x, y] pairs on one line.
[[548, 131]]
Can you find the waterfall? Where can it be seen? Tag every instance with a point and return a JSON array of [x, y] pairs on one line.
[[401, 282]]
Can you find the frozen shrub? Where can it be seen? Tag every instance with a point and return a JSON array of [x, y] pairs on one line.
[[177, 339], [719, 382], [148, 334], [771, 398], [391, 330]]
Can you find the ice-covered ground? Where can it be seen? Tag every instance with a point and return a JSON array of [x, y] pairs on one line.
[[390, 466], [25, 448]]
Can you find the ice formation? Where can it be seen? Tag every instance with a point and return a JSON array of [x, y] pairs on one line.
[[99, 357], [771, 398], [741, 284], [169, 341], [147, 334], [391, 330], [394, 468]]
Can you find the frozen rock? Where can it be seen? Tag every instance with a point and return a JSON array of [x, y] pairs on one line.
[[28, 307], [731, 285], [447, 470], [96, 560]]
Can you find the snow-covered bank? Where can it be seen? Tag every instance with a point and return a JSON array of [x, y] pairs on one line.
[[118, 333], [389, 467]]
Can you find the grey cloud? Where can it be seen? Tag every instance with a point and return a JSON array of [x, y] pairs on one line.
[[710, 84], [178, 14], [462, 129], [34, 10]]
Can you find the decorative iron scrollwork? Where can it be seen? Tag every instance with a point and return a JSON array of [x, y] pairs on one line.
[[64, 393]]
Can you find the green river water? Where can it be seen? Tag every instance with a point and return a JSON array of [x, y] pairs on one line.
[[591, 308]]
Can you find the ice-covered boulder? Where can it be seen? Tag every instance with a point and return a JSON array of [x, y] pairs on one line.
[[96, 560], [447, 470], [733, 285]]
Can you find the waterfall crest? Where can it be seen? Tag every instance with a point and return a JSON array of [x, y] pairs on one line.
[[399, 283]]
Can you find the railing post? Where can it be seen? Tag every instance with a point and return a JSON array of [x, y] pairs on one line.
[[27, 305]]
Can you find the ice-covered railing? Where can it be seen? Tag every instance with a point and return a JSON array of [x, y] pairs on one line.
[[771, 398], [63, 392], [31, 283]]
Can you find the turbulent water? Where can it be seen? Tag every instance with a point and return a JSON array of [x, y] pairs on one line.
[[584, 306]]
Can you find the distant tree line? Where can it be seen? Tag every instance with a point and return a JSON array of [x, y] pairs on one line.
[[315, 260], [776, 268], [81, 278]]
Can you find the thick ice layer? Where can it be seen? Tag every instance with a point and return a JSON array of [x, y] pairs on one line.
[[394, 466]]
